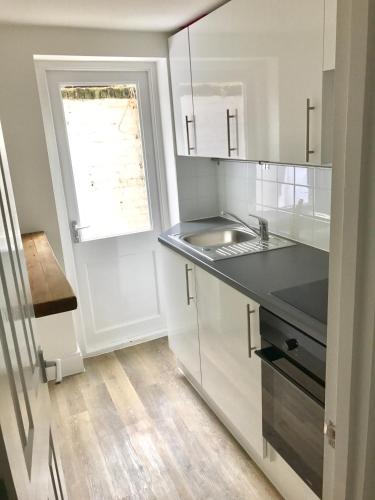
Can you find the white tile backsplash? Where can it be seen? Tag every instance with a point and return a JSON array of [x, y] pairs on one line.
[[270, 194], [295, 199], [285, 196], [322, 203], [304, 200], [269, 172], [323, 178], [285, 174], [304, 176]]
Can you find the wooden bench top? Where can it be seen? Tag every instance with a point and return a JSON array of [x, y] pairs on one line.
[[50, 290]]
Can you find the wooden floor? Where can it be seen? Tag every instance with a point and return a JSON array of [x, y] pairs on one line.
[[131, 427]]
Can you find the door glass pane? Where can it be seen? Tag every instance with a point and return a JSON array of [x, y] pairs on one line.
[[105, 142]]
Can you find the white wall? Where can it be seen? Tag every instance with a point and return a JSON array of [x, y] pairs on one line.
[[20, 111], [197, 187], [20, 114]]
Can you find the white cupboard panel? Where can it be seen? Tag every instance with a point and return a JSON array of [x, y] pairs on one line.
[[228, 328], [119, 294], [179, 60], [261, 60], [179, 296]]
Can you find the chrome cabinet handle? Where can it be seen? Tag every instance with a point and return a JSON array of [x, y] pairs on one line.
[[249, 313], [308, 150], [229, 118], [189, 298], [187, 123]]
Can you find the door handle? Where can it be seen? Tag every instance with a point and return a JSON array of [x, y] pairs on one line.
[[190, 148], [49, 364], [249, 313], [75, 228], [189, 298], [308, 150]]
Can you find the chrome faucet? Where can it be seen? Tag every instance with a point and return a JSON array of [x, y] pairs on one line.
[[263, 227], [263, 224]]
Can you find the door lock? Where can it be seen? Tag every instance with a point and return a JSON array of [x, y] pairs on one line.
[[330, 432]]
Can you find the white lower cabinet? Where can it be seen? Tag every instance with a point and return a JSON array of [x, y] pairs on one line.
[[179, 295], [231, 372], [213, 330]]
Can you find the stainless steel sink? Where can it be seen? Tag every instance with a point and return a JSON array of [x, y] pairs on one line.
[[226, 242], [218, 237]]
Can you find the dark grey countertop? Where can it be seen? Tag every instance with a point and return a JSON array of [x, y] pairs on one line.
[[258, 275]]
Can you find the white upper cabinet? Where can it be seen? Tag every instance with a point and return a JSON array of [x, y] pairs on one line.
[[330, 20], [256, 68], [257, 80], [179, 60]]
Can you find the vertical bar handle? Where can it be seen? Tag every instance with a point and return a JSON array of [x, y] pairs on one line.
[[229, 118], [308, 150], [249, 313], [190, 148], [189, 298]]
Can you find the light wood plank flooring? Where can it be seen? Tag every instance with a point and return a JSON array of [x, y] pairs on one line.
[[132, 427]]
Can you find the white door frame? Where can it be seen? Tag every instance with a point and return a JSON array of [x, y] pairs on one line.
[[350, 392], [160, 111]]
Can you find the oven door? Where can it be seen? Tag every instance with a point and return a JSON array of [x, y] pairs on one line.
[[293, 415]]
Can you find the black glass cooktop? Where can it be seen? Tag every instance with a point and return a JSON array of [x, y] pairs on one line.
[[310, 298]]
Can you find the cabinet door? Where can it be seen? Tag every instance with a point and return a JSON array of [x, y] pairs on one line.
[[330, 20], [179, 60], [218, 89], [255, 64], [231, 373], [179, 298]]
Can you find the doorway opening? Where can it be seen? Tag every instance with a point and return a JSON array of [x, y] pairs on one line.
[[105, 128]]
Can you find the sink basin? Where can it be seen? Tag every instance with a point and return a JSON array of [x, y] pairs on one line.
[[225, 242], [218, 237]]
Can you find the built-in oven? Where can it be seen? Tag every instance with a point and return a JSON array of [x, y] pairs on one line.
[[293, 387]]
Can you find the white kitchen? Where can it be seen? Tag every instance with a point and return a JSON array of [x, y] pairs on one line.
[[187, 249]]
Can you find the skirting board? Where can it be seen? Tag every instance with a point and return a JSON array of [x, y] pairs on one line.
[[122, 345], [70, 364]]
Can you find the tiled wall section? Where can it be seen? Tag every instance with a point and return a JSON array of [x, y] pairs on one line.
[[296, 200], [197, 180]]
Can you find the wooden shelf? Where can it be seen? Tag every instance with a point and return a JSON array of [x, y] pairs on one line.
[[50, 290]]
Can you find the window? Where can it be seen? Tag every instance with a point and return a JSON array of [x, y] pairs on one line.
[[105, 143]]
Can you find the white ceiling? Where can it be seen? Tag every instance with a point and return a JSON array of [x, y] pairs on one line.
[[147, 15]]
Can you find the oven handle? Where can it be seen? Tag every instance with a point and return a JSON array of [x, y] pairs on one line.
[[263, 354]]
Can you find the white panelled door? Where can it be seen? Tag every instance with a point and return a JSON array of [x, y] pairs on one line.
[[30, 466], [104, 128]]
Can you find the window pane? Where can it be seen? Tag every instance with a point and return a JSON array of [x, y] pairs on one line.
[[106, 152]]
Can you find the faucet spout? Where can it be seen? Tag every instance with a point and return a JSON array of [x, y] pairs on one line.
[[263, 224], [263, 227]]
